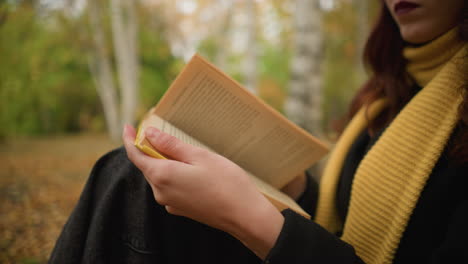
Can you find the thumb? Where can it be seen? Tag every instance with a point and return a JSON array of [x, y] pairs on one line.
[[170, 146]]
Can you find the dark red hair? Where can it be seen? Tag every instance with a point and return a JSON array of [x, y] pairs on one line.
[[383, 55]]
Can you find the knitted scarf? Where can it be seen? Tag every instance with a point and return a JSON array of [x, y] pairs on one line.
[[391, 176]]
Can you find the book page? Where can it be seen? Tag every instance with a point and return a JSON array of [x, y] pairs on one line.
[[155, 121], [217, 111], [280, 200]]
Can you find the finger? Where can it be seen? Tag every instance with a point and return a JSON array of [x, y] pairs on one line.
[[171, 146], [172, 210], [130, 130], [138, 158]]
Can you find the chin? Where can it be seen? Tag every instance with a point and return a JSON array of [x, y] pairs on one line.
[[420, 34], [417, 35], [416, 40]]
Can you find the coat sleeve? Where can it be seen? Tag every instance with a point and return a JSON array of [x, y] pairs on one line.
[[304, 241]]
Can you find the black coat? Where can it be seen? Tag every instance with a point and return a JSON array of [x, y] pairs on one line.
[[118, 221]]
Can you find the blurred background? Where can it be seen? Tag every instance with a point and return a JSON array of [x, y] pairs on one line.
[[73, 71]]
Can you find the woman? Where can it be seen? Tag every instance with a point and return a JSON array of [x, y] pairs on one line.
[[392, 191]]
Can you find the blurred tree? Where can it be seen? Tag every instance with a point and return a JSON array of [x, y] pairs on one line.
[[124, 32], [44, 84], [126, 41], [223, 39], [251, 57], [216, 47], [304, 103], [274, 74], [101, 69], [341, 75], [347, 27], [158, 65], [45, 81]]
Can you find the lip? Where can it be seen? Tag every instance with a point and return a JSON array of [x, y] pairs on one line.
[[404, 7]]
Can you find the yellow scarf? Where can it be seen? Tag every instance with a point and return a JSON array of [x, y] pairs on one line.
[[390, 178]]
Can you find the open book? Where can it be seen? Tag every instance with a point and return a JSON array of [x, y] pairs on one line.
[[206, 108]]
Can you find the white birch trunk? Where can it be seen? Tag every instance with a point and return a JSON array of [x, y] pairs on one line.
[[304, 102], [101, 71], [223, 42], [124, 31], [250, 63]]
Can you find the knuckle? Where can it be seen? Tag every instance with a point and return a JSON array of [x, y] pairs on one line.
[[150, 171], [170, 209], [162, 180], [168, 143], [201, 152], [160, 199], [141, 164], [161, 175], [173, 210]]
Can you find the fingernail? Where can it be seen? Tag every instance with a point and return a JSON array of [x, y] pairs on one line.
[[152, 132]]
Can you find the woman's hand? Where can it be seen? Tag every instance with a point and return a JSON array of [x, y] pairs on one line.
[[208, 188]]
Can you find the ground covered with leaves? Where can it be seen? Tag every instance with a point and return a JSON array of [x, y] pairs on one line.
[[40, 182]]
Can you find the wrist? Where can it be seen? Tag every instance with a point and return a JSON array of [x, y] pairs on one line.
[[259, 227]]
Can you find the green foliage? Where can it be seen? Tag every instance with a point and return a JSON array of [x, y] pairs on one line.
[[209, 48], [46, 87], [158, 66], [45, 83], [274, 64], [341, 75], [274, 74]]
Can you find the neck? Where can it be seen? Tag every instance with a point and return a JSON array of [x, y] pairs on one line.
[[425, 61]]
